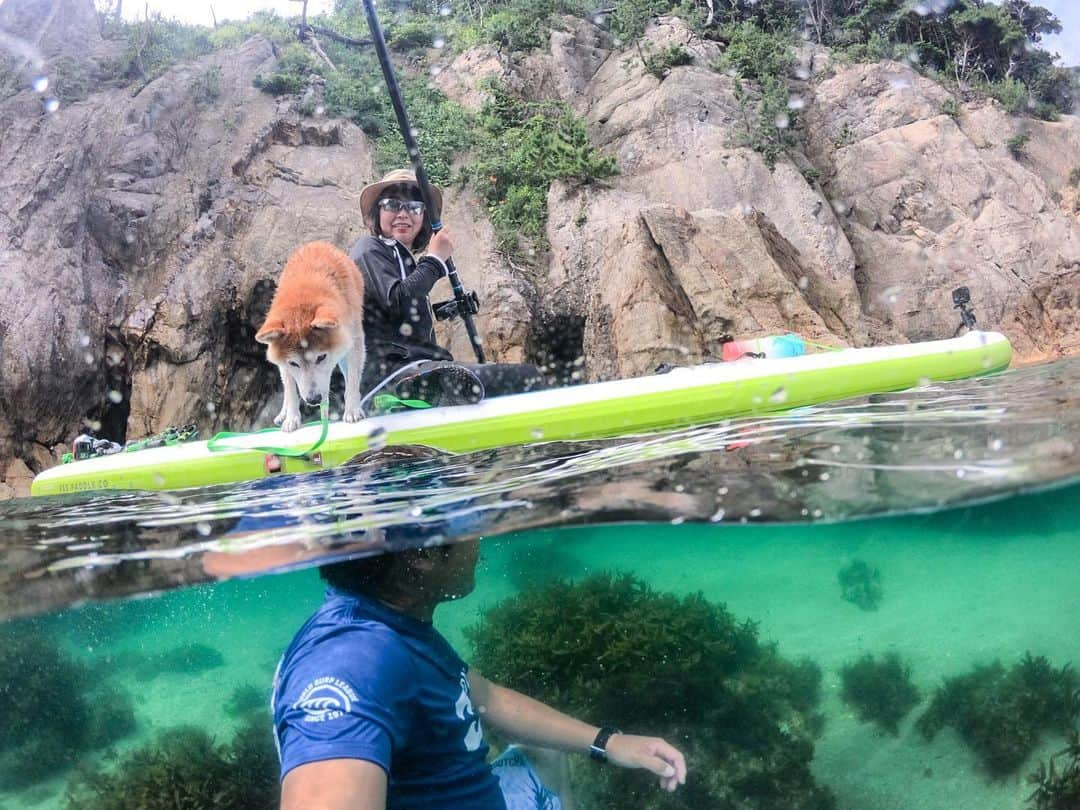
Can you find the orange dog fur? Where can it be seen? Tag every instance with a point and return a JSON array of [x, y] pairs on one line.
[[316, 322]]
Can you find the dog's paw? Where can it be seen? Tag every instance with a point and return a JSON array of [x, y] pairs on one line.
[[280, 418], [353, 415], [290, 422]]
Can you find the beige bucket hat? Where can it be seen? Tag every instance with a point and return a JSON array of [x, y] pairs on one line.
[[397, 177]]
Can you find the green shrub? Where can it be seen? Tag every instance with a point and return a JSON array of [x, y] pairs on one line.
[[291, 73], [660, 64], [416, 32], [1012, 94], [1001, 713], [154, 45], [69, 79], [206, 88], [610, 649], [951, 108], [881, 692], [1017, 144], [523, 148], [755, 54], [767, 124]]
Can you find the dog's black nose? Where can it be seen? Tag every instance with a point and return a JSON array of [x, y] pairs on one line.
[[314, 400]]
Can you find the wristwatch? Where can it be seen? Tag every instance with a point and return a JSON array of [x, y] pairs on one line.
[[598, 749]]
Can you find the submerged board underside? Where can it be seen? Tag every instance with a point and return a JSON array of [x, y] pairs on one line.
[[683, 397]]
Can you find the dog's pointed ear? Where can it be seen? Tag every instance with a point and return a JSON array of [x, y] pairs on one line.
[[325, 318], [271, 331]]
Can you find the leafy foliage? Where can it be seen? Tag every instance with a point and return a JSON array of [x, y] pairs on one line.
[[660, 64], [293, 70], [1001, 713], [185, 768], [40, 738], [611, 649], [1058, 789], [880, 691], [1017, 144]]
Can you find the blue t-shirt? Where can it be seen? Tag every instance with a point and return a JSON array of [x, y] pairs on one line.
[[362, 681]]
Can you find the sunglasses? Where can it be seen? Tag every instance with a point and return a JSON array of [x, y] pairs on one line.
[[394, 206]]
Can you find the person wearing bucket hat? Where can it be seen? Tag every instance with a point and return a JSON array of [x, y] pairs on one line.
[[399, 325]]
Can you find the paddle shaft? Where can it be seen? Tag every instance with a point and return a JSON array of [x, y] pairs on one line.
[[421, 176]]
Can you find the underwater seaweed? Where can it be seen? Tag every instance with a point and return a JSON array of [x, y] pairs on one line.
[[611, 650], [246, 699], [187, 659], [1001, 713], [860, 584], [184, 768], [53, 711], [881, 692], [1058, 789]]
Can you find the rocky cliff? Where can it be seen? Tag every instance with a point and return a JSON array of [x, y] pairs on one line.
[[142, 231]]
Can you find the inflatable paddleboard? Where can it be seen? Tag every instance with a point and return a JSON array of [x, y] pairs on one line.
[[680, 398]]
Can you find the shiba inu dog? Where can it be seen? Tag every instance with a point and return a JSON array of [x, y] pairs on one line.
[[316, 322]]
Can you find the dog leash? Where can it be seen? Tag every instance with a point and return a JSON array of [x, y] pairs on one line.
[[219, 442]]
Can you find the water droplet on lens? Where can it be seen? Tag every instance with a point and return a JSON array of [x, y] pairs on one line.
[[89, 358], [435, 70], [678, 521], [717, 516], [116, 397], [84, 340], [537, 433], [203, 528], [40, 84], [961, 473], [722, 491], [778, 396], [444, 11], [782, 121], [159, 479], [416, 511], [824, 476], [958, 454], [210, 407], [996, 444], [816, 513], [52, 105], [802, 73], [405, 329], [439, 42], [796, 103], [755, 512]]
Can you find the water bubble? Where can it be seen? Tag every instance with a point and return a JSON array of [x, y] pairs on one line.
[[778, 396], [802, 73], [816, 513], [804, 282], [303, 343], [416, 511], [320, 110], [438, 42], [203, 528], [835, 449], [958, 454], [435, 70], [405, 329], [52, 105], [996, 444], [841, 207], [678, 521], [782, 121], [414, 131], [755, 512], [804, 512], [680, 488], [722, 491], [211, 408], [537, 433], [40, 84], [89, 358], [579, 361], [115, 397], [84, 340], [961, 473], [444, 11], [575, 375], [824, 476], [718, 515], [796, 102]]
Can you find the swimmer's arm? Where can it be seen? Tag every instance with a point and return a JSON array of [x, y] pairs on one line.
[[526, 720], [335, 784]]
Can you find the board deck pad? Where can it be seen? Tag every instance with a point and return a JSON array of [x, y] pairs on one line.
[[682, 397]]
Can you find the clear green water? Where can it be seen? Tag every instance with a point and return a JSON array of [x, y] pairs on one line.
[[959, 587]]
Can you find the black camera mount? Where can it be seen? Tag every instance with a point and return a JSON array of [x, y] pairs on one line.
[[448, 310], [961, 299]]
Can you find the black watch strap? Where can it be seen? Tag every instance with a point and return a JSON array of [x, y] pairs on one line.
[[598, 749]]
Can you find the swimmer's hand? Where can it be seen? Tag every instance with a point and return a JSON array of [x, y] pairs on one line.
[[652, 754]]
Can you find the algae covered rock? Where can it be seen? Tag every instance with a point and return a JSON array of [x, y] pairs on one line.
[[611, 650], [881, 692], [1002, 713]]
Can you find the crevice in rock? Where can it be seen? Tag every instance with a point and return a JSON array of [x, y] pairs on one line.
[[555, 343]]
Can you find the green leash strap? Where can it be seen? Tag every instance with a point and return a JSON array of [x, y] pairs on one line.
[[218, 443]]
